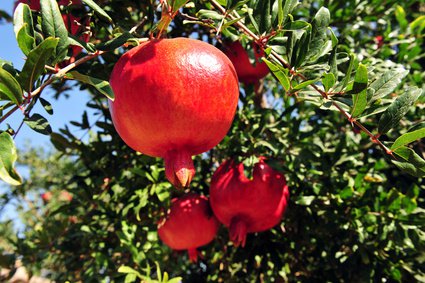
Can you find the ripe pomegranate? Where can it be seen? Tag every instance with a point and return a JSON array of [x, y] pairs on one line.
[[74, 25], [174, 98], [244, 205], [189, 224], [248, 73], [46, 197]]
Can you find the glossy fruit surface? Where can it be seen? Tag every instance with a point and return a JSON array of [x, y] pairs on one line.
[[189, 224], [248, 72], [174, 98], [248, 205]]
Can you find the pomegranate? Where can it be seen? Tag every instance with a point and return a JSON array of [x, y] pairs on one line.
[[244, 205], [174, 98], [74, 25], [248, 73], [189, 224]]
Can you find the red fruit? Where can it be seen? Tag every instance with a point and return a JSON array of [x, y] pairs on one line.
[[248, 73], [174, 98], [189, 224], [65, 196], [46, 197], [244, 205]]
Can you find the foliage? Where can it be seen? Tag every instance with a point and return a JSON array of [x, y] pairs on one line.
[[341, 116]]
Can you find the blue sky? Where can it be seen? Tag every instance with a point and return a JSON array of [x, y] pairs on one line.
[[65, 110]]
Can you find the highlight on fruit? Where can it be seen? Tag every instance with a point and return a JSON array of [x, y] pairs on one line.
[[174, 98], [248, 205], [189, 224]]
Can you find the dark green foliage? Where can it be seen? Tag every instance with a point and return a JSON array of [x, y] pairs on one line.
[[356, 210]]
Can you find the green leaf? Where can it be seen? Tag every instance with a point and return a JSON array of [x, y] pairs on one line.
[[36, 60], [177, 4], [23, 27], [46, 105], [386, 83], [39, 124], [128, 270], [408, 138], [322, 18], [359, 91], [400, 15], [115, 42], [419, 24], [99, 11], [8, 158], [411, 162], [305, 200], [263, 16], [287, 9], [10, 87], [328, 81], [53, 26], [101, 85], [279, 74], [347, 77], [304, 84], [392, 116]]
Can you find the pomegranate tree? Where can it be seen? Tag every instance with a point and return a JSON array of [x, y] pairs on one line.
[[174, 98], [74, 24], [189, 224], [248, 73], [248, 205]]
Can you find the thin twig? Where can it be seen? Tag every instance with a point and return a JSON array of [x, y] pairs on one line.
[[10, 112], [282, 61]]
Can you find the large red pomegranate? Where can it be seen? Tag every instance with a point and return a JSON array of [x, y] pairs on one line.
[[75, 25], [244, 205], [248, 73], [189, 224], [174, 98]]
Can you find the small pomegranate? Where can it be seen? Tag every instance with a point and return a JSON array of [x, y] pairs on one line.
[[189, 224], [248, 73], [46, 197], [74, 25], [174, 98], [244, 205]]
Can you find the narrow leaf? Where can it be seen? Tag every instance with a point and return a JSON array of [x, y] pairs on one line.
[[328, 81], [10, 87], [322, 18], [101, 85], [304, 84], [46, 105], [411, 162], [98, 10], [23, 27], [53, 26], [263, 16], [288, 8], [386, 83], [359, 91], [8, 158], [36, 60], [279, 74], [177, 4], [39, 124], [392, 116], [349, 71], [115, 42], [408, 138]]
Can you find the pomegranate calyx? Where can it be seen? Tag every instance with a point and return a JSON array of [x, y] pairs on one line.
[[179, 168], [238, 230], [193, 254]]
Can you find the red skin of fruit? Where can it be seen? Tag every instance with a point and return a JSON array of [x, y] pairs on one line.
[[46, 197], [244, 205], [248, 73], [73, 24], [189, 224], [174, 98]]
